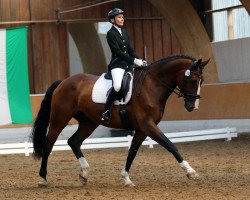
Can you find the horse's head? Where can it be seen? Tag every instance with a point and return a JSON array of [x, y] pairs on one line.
[[189, 82]]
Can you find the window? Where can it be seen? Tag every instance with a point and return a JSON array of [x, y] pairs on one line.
[[241, 20]]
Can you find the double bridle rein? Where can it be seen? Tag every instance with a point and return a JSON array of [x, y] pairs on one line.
[[176, 90]]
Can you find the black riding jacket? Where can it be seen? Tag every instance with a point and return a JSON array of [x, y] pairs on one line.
[[123, 54]]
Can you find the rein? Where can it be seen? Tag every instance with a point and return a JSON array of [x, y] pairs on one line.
[[139, 81], [176, 90]]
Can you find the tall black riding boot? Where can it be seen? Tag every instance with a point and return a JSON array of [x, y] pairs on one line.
[[108, 106]]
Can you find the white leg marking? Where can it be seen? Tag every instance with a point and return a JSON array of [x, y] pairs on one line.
[[42, 182], [197, 101], [190, 172], [83, 162], [85, 170], [125, 177]]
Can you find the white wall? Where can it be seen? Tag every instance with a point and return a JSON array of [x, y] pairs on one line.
[[233, 60]]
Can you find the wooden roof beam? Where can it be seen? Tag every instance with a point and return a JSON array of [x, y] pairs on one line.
[[246, 4]]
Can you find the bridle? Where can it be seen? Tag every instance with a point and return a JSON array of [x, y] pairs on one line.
[[178, 89], [184, 94]]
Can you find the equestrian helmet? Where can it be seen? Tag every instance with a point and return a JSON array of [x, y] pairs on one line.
[[114, 12]]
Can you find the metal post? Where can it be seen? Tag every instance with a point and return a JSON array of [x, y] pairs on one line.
[[230, 24], [58, 16], [145, 52]]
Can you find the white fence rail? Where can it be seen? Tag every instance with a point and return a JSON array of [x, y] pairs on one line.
[[114, 142]]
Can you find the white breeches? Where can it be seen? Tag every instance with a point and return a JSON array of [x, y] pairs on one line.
[[117, 75]]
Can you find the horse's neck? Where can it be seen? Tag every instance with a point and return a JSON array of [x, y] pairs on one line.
[[168, 71], [164, 76]]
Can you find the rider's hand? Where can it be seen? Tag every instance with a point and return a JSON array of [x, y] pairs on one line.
[[145, 63], [138, 62]]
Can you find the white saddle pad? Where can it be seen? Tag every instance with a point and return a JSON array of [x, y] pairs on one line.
[[101, 88]]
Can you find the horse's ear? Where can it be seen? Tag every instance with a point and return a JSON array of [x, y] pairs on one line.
[[203, 64], [195, 64], [198, 62]]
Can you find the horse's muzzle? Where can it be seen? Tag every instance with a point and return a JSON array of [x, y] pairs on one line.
[[189, 106], [190, 100]]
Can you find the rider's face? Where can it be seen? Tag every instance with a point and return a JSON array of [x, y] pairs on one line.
[[119, 20]]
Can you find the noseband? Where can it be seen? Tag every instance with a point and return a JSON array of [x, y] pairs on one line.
[[178, 90]]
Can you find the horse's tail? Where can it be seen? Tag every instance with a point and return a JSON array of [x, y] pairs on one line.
[[41, 123]]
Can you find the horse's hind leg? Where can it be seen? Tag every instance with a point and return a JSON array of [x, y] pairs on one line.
[[57, 124], [86, 127]]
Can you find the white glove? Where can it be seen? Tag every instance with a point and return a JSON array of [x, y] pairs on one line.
[[138, 62]]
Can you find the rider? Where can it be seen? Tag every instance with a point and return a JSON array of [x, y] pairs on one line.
[[123, 55]]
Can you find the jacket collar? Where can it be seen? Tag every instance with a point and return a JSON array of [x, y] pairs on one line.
[[116, 30]]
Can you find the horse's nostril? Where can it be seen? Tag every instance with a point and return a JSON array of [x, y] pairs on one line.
[[189, 107]]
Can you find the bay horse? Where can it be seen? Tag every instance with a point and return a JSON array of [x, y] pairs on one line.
[[71, 98]]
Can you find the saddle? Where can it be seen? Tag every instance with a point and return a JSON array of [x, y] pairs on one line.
[[103, 86]]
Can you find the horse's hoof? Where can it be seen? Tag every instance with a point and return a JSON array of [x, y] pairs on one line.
[[193, 175], [42, 183], [129, 184], [125, 177], [82, 179]]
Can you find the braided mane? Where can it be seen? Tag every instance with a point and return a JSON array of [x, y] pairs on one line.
[[173, 57]]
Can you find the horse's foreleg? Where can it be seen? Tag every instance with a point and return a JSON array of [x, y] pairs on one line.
[[156, 134], [138, 138], [84, 130]]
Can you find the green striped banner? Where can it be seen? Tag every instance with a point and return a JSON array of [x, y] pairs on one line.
[[15, 104]]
